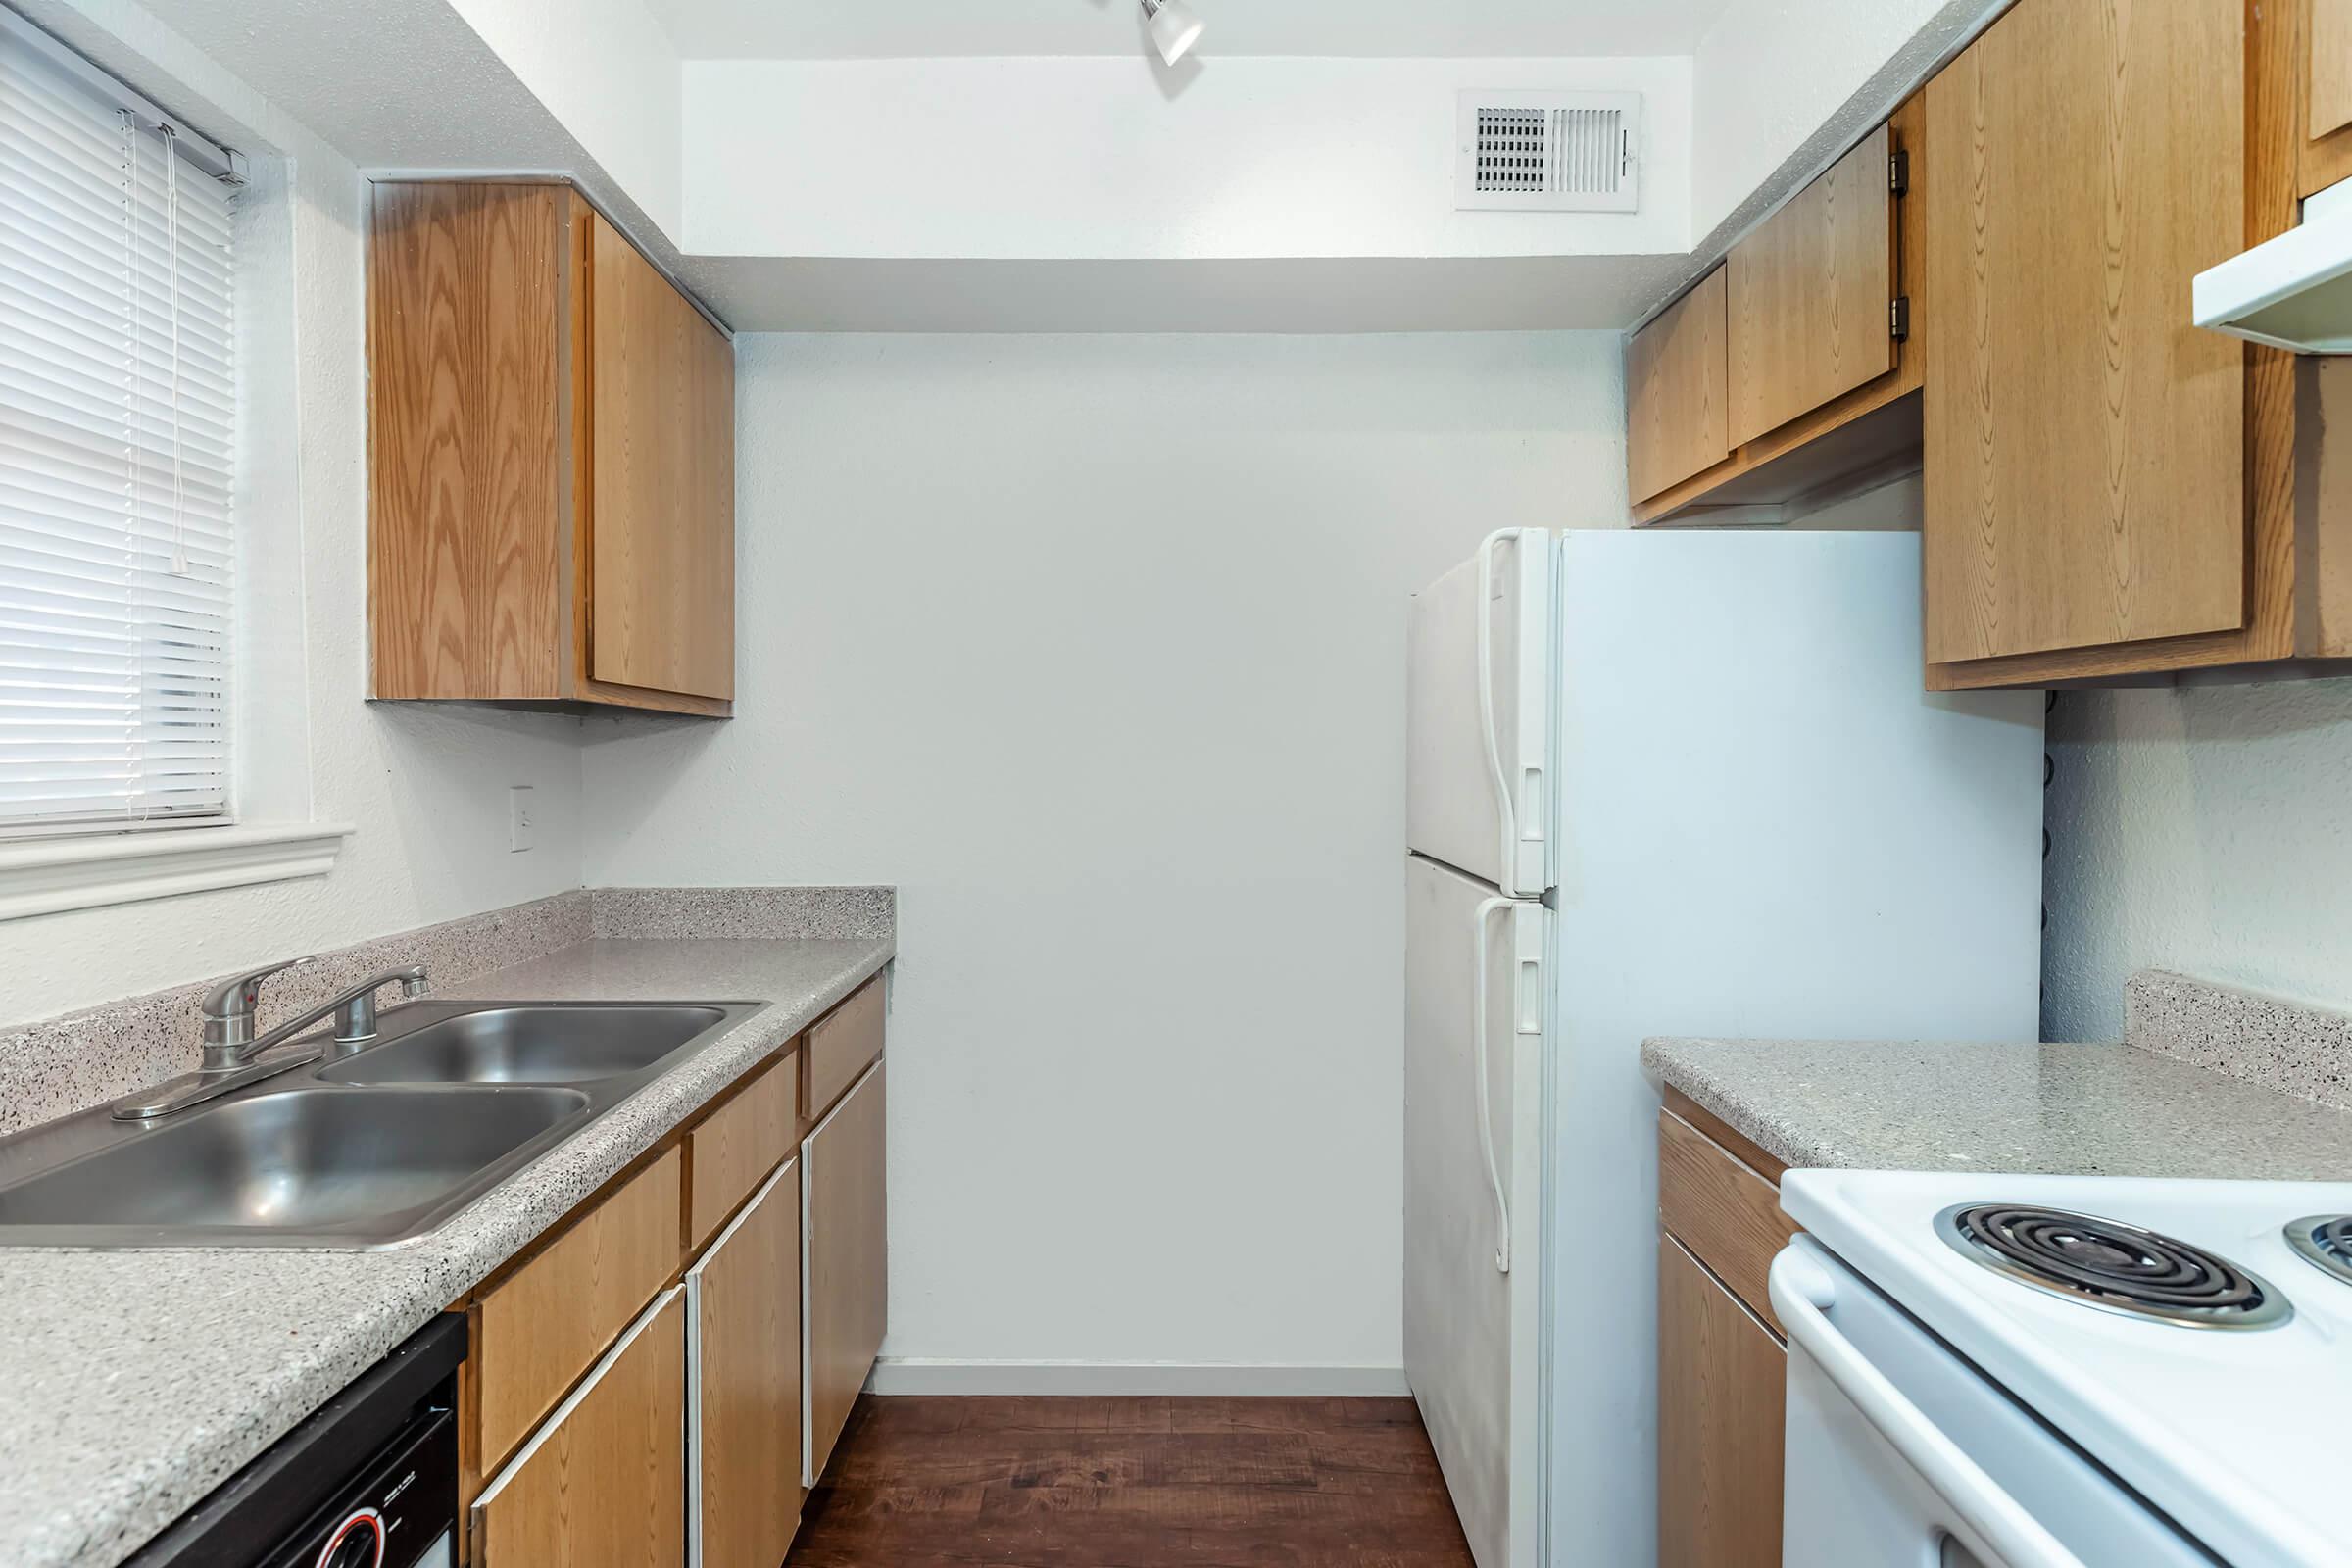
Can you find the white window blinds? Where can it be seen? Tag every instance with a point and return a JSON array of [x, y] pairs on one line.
[[118, 392]]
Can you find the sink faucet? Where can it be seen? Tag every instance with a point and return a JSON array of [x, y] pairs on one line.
[[230, 1044], [228, 1038]]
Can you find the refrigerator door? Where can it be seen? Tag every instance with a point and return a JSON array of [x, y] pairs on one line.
[[1764, 829], [1472, 1202], [1477, 743]]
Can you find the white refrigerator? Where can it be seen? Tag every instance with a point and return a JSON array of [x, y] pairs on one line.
[[1658, 783]]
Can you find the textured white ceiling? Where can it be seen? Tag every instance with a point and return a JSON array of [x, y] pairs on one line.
[[756, 30]]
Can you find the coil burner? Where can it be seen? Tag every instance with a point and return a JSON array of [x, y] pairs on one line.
[[2117, 1267]]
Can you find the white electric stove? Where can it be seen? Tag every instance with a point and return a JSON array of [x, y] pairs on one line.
[[2066, 1372]]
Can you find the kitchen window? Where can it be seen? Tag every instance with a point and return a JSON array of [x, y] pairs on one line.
[[118, 408]]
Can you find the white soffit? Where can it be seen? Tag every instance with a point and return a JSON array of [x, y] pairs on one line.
[[1298, 295]]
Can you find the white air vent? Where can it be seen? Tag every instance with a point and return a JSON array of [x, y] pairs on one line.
[[1552, 152]]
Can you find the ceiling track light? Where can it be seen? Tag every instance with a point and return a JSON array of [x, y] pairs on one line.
[[1174, 28]]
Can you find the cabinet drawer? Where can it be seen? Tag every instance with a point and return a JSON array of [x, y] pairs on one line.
[[603, 1483], [1727, 1216], [841, 1044], [546, 1324], [733, 1151]]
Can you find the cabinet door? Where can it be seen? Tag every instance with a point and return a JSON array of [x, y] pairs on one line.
[[663, 512], [603, 1484], [744, 1384], [1807, 295], [463, 600], [2083, 446], [2328, 45], [1720, 1401], [845, 1263], [1674, 392]]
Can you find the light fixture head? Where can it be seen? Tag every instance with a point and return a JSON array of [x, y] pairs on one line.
[[1174, 28]]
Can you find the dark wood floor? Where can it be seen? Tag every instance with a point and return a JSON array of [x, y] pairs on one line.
[[1131, 1483]]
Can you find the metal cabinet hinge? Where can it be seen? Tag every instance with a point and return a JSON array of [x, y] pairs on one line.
[[1898, 318], [1898, 172]]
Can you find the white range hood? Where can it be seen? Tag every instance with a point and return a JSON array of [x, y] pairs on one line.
[[2291, 292]]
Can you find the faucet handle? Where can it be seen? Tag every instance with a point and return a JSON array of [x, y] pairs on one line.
[[227, 1009]]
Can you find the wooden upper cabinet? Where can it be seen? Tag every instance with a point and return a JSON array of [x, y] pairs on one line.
[[2084, 448], [663, 507], [2329, 50], [1808, 295], [1675, 392], [2326, 56], [1800, 393], [550, 460]]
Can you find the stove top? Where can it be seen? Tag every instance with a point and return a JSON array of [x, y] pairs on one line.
[[2081, 1294], [2323, 1240], [2114, 1266]]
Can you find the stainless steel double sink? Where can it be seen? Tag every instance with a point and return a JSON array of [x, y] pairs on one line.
[[363, 1149]]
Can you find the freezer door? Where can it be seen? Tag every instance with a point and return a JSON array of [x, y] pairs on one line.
[[1472, 1198], [1478, 730]]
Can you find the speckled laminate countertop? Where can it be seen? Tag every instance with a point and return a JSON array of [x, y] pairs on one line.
[[2104, 1109], [134, 1383]]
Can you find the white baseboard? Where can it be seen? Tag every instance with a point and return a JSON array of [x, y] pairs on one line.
[[920, 1375]]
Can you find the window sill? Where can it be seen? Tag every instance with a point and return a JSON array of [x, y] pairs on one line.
[[44, 876]]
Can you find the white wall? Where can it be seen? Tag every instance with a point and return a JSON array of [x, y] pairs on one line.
[[2206, 830], [1094, 647], [1780, 82], [1095, 158], [607, 70], [427, 787]]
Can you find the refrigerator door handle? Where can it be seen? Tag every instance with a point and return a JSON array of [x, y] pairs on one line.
[[1530, 764], [1478, 1071]]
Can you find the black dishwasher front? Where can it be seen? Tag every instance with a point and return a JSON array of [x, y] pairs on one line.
[[367, 1481]]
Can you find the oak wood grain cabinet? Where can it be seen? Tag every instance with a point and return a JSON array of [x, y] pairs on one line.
[[542, 1323], [550, 460], [744, 1384], [1677, 409], [1807, 295], [603, 1484], [1721, 1402], [2111, 494], [1722, 1366], [1815, 374], [845, 1261], [2325, 48], [735, 1146]]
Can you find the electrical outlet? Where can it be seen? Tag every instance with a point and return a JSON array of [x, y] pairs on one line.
[[518, 819]]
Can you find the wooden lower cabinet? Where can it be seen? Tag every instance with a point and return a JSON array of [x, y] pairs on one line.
[[1722, 1369], [1721, 1378], [657, 1381], [844, 1260], [537, 1328], [601, 1484], [744, 1384]]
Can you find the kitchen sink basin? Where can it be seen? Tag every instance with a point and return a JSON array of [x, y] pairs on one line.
[[298, 1163], [529, 1044], [357, 1149]]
